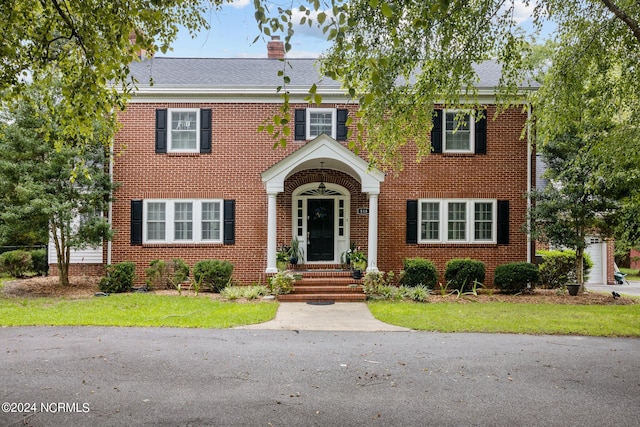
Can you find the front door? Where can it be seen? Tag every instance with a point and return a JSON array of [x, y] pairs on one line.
[[320, 229]]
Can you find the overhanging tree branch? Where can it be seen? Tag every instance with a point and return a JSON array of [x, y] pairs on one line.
[[624, 17]]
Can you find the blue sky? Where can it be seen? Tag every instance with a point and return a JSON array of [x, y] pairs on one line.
[[233, 29]]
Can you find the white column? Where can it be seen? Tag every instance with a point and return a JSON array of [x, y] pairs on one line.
[[272, 227], [372, 251]]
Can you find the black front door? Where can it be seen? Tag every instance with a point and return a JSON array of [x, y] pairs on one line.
[[320, 229]]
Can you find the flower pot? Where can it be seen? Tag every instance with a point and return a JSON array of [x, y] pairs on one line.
[[357, 274], [573, 289]]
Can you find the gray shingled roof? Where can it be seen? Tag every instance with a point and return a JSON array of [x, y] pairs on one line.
[[254, 72], [226, 72]]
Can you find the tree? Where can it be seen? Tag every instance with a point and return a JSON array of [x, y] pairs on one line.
[[87, 45], [586, 115], [573, 205], [398, 59], [52, 177]]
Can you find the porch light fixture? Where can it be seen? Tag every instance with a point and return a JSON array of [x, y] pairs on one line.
[[322, 187]]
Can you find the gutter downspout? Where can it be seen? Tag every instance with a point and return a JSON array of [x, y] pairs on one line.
[[109, 243], [529, 185]]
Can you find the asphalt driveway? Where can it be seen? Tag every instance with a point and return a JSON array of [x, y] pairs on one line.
[[191, 377]]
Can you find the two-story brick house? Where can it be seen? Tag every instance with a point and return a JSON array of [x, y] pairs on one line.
[[198, 181]]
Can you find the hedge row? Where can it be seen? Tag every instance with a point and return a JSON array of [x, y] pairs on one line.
[[213, 275]]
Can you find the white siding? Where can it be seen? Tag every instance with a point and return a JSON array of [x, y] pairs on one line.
[[597, 250], [79, 256]]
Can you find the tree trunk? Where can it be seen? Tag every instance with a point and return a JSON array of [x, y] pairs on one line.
[[579, 267], [63, 253]]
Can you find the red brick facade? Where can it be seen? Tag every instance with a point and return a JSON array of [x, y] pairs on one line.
[[239, 155]]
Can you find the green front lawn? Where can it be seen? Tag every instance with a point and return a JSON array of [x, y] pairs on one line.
[[134, 310], [500, 317]]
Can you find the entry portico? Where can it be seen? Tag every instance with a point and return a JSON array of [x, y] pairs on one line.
[[329, 154]]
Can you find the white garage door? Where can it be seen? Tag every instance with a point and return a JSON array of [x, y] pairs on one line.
[[596, 250]]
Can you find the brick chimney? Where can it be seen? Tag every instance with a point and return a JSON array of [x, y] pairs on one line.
[[275, 48]]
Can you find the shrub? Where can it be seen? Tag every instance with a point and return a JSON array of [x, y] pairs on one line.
[[558, 268], [119, 277], [16, 263], [516, 276], [166, 274], [40, 262], [418, 293], [213, 273], [419, 271], [461, 274], [281, 283]]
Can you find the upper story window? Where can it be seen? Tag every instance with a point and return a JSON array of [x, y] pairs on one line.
[[321, 120], [459, 132], [184, 134], [312, 122], [457, 221], [183, 130]]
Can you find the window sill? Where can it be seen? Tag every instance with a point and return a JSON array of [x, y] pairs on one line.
[[458, 245], [170, 154], [183, 245], [458, 154]]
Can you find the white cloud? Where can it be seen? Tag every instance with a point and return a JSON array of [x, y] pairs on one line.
[[239, 4], [522, 12]]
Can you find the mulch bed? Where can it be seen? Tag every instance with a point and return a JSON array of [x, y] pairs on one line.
[[86, 287]]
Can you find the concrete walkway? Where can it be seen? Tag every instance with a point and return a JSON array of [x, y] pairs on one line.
[[632, 289], [355, 316], [346, 316]]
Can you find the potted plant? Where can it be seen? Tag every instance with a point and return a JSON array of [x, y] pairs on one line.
[[572, 286], [295, 252], [359, 262]]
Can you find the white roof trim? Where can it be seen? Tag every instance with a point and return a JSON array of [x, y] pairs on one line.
[[334, 155]]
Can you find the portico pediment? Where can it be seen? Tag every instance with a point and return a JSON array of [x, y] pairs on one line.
[[333, 155]]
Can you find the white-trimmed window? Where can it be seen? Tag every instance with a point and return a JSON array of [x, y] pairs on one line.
[[459, 132], [321, 120], [184, 130], [457, 220], [178, 221]]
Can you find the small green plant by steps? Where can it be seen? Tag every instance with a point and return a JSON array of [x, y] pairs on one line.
[[281, 283]]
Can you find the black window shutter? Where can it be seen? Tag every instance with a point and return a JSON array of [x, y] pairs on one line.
[[300, 124], [161, 131], [436, 132], [205, 130], [503, 222], [412, 222], [229, 222], [341, 129], [481, 136], [136, 222]]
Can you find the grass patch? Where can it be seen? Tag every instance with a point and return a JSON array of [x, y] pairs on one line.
[[134, 310], [632, 274], [499, 317]]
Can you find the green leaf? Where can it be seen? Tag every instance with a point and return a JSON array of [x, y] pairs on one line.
[[386, 10]]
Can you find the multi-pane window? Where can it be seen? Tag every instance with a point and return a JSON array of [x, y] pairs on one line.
[[483, 221], [156, 224], [183, 221], [457, 220], [184, 130], [458, 135], [192, 221], [430, 221], [210, 221], [319, 121]]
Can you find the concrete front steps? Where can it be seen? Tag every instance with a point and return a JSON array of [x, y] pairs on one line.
[[324, 284]]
